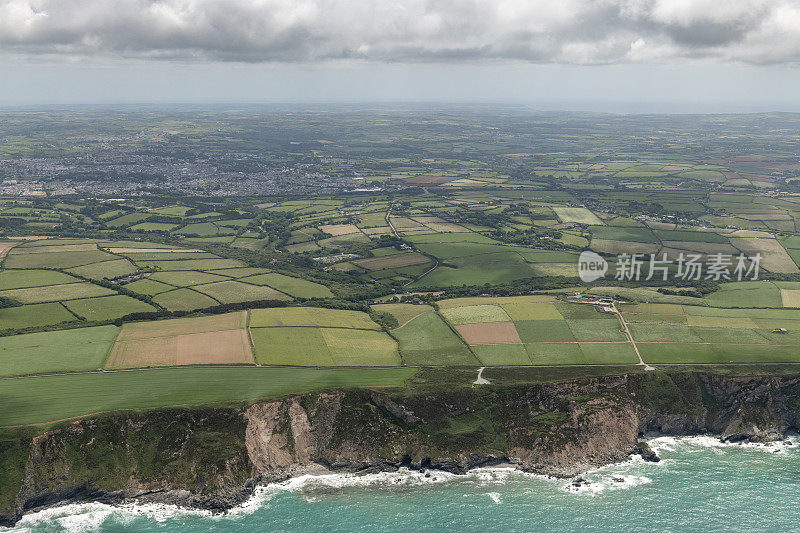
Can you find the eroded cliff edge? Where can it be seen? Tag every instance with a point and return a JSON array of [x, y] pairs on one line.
[[213, 457]]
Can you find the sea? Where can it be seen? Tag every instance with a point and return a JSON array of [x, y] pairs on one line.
[[699, 485]]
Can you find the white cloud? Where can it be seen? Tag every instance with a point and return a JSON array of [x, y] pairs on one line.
[[556, 31]]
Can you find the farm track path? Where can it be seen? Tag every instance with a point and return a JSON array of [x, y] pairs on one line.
[[630, 337], [410, 319]]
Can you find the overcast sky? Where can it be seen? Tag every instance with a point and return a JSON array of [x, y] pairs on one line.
[[619, 55]]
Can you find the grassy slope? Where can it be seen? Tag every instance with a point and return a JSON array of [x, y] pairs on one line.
[[43, 399]]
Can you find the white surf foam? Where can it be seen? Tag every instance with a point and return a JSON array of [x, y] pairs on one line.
[[86, 517], [701, 443]]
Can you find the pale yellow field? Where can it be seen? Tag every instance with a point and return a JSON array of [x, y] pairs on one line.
[[5, 247], [623, 247], [445, 227], [790, 297], [339, 229], [220, 339], [215, 347], [490, 333], [773, 256]]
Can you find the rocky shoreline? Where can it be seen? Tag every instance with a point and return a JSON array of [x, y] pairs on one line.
[[214, 457]]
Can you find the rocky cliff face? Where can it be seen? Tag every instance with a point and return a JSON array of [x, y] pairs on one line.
[[214, 457]]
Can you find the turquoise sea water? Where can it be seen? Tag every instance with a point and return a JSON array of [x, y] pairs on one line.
[[700, 485]]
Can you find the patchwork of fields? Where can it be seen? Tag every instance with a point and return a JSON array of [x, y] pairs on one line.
[[66, 280]]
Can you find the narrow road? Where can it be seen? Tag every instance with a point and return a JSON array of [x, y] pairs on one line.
[[630, 337], [389, 221], [431, 269]]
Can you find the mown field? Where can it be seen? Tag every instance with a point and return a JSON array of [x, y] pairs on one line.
[[689, 334], [37, 400]]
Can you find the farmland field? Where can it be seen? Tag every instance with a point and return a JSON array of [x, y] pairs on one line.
[[50, 293], [579, 215], [55, 259], [220, 339], [475, 313], [426, 340], [402, 312], [186, 278], [391, 261], [56, 351], [107, 307], [36, 315], [235, 291], [489, 212], [56, 397], [296, 287], [310, 316], [305, 346], [489, 333], [106, 269], [15, 279]]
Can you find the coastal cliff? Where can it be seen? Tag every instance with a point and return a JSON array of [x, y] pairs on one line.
[[213, 457]]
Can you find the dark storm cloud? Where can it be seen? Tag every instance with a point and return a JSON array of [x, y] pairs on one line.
[[450, 31]]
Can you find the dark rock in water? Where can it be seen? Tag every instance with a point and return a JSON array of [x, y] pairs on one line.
[[647, 453], [579, 482]]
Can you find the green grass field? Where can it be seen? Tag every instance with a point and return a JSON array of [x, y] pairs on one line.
[[186, 278], [532, 311], [148, 287], [402, 312], [184, 300], [52, 293], [596, 330], [16, 279], [427, 340], [190, 264], [642, 235], [154, 226], [56, 351], [35, 315], [310, 316], [204, 229], [235, 291], [309, 346], [717, 353], [578, 215], [296, 287], [544, 331], [56, 259], [36, 400], [106, 269], [474, 314], [107, 307], [746, 294]]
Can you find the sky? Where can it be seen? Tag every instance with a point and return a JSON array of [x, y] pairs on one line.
[[601, 55]]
